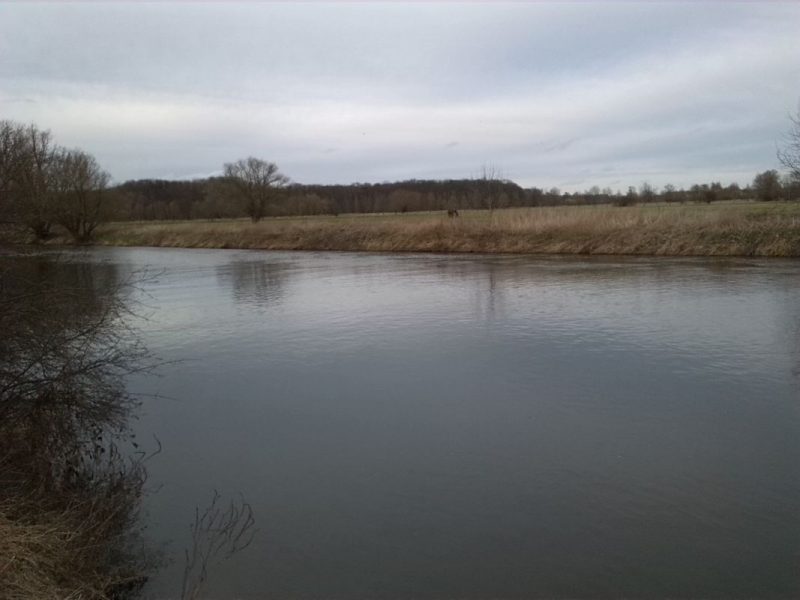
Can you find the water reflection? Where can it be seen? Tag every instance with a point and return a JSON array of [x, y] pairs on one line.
[[255, 282], [71, 480], [78, 288], [475, 427]]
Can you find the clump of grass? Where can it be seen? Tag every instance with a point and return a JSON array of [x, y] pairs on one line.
[[71, 546]]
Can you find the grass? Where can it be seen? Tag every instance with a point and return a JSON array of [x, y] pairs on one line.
[[723, 229], [68, 536], [60, 552]]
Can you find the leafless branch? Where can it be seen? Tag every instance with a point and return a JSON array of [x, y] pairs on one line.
[[218, 533]]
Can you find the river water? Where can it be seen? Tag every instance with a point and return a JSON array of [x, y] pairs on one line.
[[423, 426]]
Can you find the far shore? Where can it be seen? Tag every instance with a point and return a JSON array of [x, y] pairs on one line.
[[723, 229]]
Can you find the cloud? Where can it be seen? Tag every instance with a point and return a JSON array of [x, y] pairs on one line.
[[551, 93]]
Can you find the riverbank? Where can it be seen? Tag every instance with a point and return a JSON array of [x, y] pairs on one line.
[[71, 477], [729, 229], [65, 547]]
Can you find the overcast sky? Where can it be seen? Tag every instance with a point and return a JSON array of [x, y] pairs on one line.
[[551, 94]]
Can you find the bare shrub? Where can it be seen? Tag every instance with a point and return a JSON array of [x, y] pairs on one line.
[[70, 488], [218, 533]]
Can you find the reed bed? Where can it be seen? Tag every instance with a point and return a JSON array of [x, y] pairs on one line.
[[742, 229]]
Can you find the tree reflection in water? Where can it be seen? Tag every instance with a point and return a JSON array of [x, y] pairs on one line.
[[71, 471], [255, 282], [72, 478]]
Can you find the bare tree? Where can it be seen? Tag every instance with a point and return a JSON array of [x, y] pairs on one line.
[[669, 194], [259, 181], [12, 138], [33, 177], [37, 180], [78, 184], [491, 179], [65, 353], [647, 192], [629, 199], [789, 155], [767, 186], [42, 184]]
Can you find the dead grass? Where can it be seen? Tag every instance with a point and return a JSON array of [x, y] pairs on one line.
[[730, 229], [59, 554], [75, 538]]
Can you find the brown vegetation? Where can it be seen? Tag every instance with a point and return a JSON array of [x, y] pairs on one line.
[[71, 472], [69, 545], [42, 184], [731, 229], [69, 496]]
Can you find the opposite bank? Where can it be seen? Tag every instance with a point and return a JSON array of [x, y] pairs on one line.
[[740, 229]]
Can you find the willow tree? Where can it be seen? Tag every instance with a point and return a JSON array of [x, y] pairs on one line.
[[80, 185], [42, 184], [26, 176], [259, 182]]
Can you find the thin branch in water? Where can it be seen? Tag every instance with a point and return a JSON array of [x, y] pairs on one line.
[[218, 533]]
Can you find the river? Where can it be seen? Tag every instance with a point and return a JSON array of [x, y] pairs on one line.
[[474, 427]]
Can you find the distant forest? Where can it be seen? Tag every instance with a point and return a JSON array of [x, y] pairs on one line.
[[43, 184], [221, 197]]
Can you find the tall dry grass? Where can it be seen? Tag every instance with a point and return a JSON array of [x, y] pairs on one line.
[[744, 229], [70, 549]]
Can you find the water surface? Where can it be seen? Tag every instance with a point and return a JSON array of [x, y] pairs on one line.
[[412, 426]]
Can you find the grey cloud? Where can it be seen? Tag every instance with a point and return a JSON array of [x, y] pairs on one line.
[[552, 93], [556, 145]]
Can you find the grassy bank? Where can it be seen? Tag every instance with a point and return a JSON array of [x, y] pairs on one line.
[[60, 547], [740, 229], [71, 479]]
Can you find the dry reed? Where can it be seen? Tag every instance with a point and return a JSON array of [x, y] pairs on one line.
[[732, 229], [63, 553]]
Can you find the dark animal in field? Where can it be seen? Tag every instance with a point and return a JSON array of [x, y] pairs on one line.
[[452, 212]]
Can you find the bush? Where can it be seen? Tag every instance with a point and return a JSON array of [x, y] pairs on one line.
[[70, 495]]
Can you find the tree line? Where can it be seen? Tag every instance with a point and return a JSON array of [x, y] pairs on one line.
[[221, 197], [229, 197], [43, 184]]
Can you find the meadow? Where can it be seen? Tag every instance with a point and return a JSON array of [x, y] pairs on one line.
[[720, 229]]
